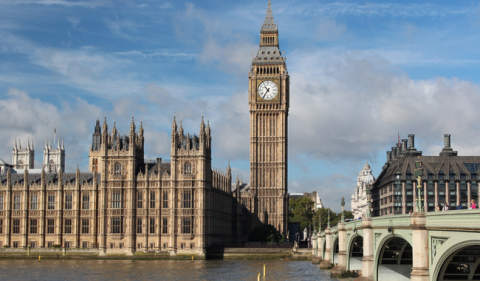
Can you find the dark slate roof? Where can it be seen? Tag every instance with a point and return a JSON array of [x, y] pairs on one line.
[[432, 165], [50, 178], [153, 168], [269, 22]]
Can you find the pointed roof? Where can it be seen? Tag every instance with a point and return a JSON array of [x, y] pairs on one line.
[[269, 23]]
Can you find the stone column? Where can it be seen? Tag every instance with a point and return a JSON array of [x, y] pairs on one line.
[[404, 199], [458, 192], [469, 195], [419, 247], [342, 247], [436, 196], [328, 249], [447, 194], [368, 260], [320, 244]]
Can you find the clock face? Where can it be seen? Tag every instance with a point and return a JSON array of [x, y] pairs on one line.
[[267, 90]]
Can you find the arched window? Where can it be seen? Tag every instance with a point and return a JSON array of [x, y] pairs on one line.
[[118, 168], [188, 168]]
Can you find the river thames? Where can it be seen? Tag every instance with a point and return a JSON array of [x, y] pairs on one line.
[[158, 270]]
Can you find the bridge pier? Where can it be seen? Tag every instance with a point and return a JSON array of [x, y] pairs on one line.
[[342, 251], [420, 270], [368, 259], [327, 262]]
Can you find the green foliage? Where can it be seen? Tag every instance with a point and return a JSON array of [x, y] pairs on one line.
[[301, 210], [265, 233], [56, 246], [6, 246]]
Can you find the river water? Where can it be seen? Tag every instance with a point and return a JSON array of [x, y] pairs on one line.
[[158, 270]]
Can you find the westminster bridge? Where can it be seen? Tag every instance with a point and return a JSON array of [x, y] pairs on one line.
[[421, 246]]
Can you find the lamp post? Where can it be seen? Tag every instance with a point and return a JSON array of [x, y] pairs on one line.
[[343, 210], [419, 173], [319, 223], [328, 222], [368, 201]]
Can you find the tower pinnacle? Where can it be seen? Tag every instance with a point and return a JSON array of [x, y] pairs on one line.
[[269, 23]]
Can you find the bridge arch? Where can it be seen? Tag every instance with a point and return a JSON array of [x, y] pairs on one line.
[[393, 258], [355, 252], [335, 247], [460, 261]]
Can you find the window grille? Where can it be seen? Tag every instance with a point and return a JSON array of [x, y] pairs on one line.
[[117, 199], [186, 225], [187, 200], [85, 226], [152, 225], [68, 225], [33, 226], [152, 199], [51, 226], [188, 168], [51, 201], [139, 225], [1, 202], [117, 225], [140, 200], [165, 225], [16, 202], [16, 226], [34, 202], [118, 169], [165, 199], [86, 201], [68, 201]]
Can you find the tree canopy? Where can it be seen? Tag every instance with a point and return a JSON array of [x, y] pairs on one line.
[[265, 233]]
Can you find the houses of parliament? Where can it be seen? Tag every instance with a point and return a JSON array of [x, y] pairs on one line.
[[125, 203]]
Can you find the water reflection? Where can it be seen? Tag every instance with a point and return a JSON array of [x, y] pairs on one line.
[[157, 270]]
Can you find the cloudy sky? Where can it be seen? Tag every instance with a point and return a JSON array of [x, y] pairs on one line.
[[361, 72]]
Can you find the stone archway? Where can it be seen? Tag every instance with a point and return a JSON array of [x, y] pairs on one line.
[[355, 253], [394, 260], [335, 248], [462, 264]]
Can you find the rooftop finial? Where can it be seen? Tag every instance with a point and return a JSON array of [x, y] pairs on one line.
[[269, 23]]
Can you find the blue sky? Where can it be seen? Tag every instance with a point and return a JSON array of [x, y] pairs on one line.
[[361, 72]]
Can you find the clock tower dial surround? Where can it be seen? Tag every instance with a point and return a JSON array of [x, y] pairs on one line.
[[269, 104]]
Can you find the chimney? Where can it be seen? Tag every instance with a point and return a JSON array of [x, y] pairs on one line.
[[446, 140], [389, 156], [404, 145], [411, 141], [447, 150], [394, 152]]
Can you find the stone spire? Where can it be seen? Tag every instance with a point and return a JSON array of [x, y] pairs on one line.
[[132, 126], [105, 126], [269, 23], [202, 126], [174, 126], [15, 145], [180, 129]]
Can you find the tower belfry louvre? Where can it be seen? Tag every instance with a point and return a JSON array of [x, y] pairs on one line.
[[269, 104]]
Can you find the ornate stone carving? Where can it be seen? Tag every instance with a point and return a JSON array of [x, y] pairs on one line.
[[17, 213], [436, 244]]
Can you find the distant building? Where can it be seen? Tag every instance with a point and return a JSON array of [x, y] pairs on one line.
[[23, 158], [313, 195], [448, 179], [359, 197]]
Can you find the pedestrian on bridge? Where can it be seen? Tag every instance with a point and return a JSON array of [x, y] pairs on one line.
[[459, 207], [445, 207], [472, 205]]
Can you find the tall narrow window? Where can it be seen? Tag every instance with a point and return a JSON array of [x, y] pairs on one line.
[[187, 199], [152, 199], [140, 200], [117, 199], [51, 226], [85, 226], [16, 226], [118, 169], [33, 226], [86, 201], [1, 202], [68, 201], [117, 225], [1, 226], [139, 225], [16, 202], [165, 199], [34, 202], [152, 225], [186, 225], [51, 201], [68, 225], [188, 168], [165, 225]]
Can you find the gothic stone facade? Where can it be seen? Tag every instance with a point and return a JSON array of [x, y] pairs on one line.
[[124, 204], [359, 197], [269, 101]]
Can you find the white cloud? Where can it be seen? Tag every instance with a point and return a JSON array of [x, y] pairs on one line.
[[74, 21], [87, 4], [330, 29], [25, 117], [122, 28]]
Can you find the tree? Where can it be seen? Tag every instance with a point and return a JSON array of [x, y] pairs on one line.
[[334, 218], [265, 233], [301, 211]]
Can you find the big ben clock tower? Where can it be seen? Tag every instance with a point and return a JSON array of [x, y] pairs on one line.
[[269, 103]]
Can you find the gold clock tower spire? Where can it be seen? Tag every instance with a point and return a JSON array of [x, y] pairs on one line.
[[269, 103]]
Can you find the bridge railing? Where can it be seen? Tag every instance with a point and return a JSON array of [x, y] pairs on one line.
[[461, 219], [393, 221]]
